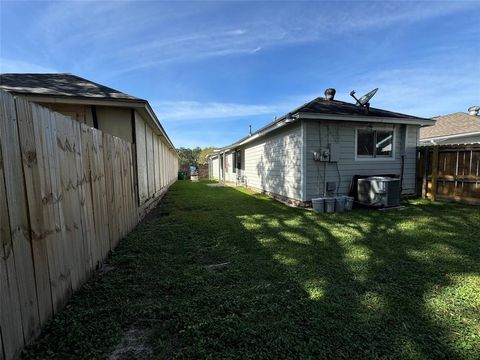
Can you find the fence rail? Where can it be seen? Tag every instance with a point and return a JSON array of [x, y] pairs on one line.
[[67, 196], [449, 172]]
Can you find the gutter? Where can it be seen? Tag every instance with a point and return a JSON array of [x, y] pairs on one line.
[[373, 119], [446, 137]]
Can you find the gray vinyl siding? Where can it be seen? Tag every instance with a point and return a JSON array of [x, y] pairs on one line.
[[229, 174], [274, 162], [215, 168], [319, 134]]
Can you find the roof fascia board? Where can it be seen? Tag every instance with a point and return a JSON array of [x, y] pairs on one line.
[[153, 116], [372, 119], [258, 135], [82, 101]]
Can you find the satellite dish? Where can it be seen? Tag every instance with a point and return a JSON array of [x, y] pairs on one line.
[[364, 100]]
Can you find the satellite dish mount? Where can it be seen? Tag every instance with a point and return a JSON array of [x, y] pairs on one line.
[[364, 100]]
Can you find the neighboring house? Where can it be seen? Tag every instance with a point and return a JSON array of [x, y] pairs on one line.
[[283, 158], [112, 112], [456, 128]]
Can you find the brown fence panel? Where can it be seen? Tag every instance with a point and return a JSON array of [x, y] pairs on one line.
[[67, 196], [449, 172]]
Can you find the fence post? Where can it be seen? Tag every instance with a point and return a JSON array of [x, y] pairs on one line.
[[434, 172], [426, 152]]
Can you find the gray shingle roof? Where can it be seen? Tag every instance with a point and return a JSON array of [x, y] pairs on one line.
[[451, 124], [321, 106], [62, 85], [336, 107]]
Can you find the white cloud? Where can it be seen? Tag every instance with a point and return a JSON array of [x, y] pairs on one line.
[[17, 66], [179, 111], [425, 90], [126, 37]]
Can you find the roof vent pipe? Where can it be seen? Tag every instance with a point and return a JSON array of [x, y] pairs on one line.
[[250, 130], [330, 94], [473, 110]]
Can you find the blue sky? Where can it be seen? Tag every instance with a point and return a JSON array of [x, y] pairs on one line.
[[210, 69]]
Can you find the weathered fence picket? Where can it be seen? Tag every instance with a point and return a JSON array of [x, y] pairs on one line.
[[449, 172], [67, 196]]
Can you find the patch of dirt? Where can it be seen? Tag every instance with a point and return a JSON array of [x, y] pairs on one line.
[[132, 346]]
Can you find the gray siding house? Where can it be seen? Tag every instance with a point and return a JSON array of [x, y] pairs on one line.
[[319, 148]]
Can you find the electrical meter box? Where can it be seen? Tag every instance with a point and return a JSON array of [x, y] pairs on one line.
[[330, 154]]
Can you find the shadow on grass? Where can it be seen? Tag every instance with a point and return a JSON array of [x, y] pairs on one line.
[[221, 273]]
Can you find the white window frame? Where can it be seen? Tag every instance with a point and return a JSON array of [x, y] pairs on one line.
[[372, 158]]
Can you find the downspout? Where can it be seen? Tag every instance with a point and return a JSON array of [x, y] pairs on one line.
[[401, 173], [403, 145], [224, 168], [324, 179]]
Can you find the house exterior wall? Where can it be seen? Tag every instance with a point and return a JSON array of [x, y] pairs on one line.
[[230, 175], [214, 174], [111, 120], [116, 121], [79, 112], [274, 163], [318, 134]]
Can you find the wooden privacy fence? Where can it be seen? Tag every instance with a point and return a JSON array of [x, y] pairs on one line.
[[67, 195], [449, 172]]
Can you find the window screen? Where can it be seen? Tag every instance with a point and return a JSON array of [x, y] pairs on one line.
[[365, 141], [374, 143]]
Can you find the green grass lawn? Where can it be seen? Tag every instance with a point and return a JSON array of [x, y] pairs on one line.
[[221, 273]]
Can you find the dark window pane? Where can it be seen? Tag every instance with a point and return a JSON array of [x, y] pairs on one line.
[[384, 145], [239, 159], [365, 142]]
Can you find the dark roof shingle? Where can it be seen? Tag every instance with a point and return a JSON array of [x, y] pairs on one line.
[[451, 124], [62, 85], [336, 107], [321, 106]]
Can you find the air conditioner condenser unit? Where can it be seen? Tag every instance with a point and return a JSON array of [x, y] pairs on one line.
[[381, 191]]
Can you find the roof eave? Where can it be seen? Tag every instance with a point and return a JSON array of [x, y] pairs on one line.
[[453, 136], [66, 99], [138, 104], [279, 123], [369, 119]]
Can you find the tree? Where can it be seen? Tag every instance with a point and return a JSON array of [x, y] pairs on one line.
[[196, 155], [184, 158], [188, 157], [203, 155]]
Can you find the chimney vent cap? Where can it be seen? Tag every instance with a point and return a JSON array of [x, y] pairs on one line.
[[330, 94], [473, 110]]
